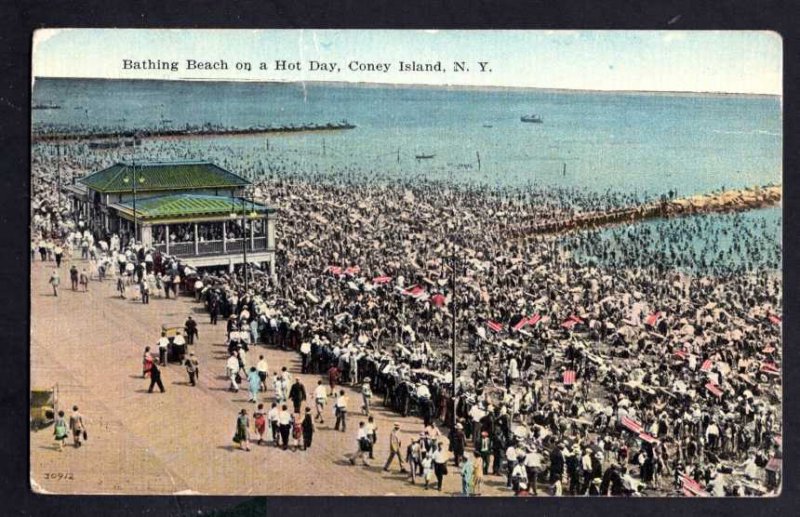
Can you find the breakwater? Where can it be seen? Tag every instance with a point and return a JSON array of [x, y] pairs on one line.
[[207, 130], [725, 201]]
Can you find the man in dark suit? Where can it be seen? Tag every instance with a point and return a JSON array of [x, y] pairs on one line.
[[155, 378], [308, 429], [556, 464], [298, 394], [191, 330]]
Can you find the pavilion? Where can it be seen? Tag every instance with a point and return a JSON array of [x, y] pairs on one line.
[[193, 210]]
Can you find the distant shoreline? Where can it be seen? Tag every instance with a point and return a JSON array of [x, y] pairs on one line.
[[452, 87]]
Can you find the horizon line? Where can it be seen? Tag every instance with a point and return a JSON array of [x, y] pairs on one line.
[[416, 85]]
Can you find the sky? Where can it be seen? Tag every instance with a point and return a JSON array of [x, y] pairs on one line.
[[697, 61]]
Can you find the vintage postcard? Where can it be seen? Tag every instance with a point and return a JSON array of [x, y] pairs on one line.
[[417, 263]]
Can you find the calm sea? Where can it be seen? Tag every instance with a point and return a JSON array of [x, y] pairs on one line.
[[630, 142]]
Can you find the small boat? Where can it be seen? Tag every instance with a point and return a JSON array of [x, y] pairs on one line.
[[488, 125], [46, 107], [536, 119], [424, 156]]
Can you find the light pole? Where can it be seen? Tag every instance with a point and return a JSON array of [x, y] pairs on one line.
[[135, 181], [252, 215], [454, 264]]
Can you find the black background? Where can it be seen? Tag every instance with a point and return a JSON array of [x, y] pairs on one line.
[[19, 19]]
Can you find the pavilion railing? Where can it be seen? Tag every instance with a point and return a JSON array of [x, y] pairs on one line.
[[234, 246], [259, 243], [181, 249], [210, 247], [216, 247]]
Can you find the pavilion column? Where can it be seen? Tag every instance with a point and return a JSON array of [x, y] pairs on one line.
[[147, 235], [270, 232], [272, 267], [224, 238], [252, 233], [166, 237], [196, 246]]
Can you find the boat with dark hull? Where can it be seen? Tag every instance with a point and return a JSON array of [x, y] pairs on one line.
[[535, 119]]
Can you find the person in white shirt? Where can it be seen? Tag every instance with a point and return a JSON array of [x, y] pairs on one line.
[[519, 478], [586, 465], [262, 368], [272, 418], [305, 353], [320, 398], [423, 392], [284, 425], [287, 377], [231, 369], [513, 372], [511, 461], [372, 433], [366, 395], [163, 343], [533, 465], [363, 442], [277, 385], [440, 457], [712, 435], [340, 408], [179, 341]]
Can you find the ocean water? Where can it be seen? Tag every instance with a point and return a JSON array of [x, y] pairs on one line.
[[749, 240], [638, 143]]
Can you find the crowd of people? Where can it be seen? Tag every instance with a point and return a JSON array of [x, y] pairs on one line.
[[649, 369]]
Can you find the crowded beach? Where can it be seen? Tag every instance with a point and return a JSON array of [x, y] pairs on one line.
[[628, 362]]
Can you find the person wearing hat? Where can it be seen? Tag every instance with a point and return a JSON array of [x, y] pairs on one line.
[[242, 435], [298, 395], [192, 368], [485, 450], [587, 468], [155, 378], [573, 461], [363, 443], [366, 395], [414, 458], [519, 475], [458, 442], [308, 429], [395, 446], [190, 327], [55, 281], [557, 466], [511, 462], [467, 474], [533, 465], [163, 344]]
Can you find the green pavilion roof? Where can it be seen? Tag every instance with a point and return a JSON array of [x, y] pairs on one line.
[[184, 175], [191, 205]]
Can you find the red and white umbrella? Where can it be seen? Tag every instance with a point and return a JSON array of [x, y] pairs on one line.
[[632, 425], [494, 326], [414, 291]]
